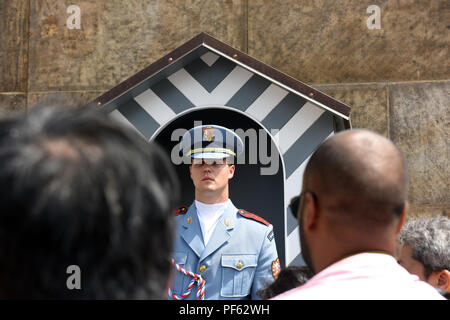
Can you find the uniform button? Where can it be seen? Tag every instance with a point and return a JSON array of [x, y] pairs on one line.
[[202, 268], [239, 265]]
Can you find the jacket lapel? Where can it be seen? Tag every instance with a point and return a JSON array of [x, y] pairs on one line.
[[192, 233], [222, 232]]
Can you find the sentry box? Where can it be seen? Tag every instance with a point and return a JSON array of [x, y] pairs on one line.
[[280, 119]]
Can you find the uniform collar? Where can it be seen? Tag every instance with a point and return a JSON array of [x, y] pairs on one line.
[[228, 218], [192, 232], [222, 232]]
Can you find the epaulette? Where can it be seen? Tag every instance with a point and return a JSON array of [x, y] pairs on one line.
[[252, 216], [180, 210]]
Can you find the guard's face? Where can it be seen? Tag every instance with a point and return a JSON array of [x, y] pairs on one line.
[[210, 175]]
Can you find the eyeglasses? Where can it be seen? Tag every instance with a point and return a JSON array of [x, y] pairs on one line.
[[296, 201]]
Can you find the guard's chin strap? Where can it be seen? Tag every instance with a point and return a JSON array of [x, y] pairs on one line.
[[196, 278]]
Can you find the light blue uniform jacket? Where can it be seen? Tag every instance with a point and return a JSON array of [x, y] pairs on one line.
[[237, 261]]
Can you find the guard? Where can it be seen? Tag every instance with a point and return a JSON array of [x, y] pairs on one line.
[[221, 252]]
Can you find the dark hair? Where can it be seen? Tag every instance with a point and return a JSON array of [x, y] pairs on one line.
[[289, 278], [78, 189]]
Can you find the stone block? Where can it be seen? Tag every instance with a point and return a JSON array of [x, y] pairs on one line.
[[72, 99], [427, 211], [11, 104], [14, 45], [369, 105], [420, 126], [329, 41], [119, 38]]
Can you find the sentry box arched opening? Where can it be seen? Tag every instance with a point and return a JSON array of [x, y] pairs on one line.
[[259, 172], [207, 81]]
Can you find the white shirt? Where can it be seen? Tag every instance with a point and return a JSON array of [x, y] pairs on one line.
[[363, 276], [208, 216]]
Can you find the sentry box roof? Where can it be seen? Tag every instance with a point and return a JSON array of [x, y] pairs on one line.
[[206, 79]]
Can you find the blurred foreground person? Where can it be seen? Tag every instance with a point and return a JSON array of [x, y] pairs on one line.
[[352, 207], [425, 251], [85, 209]]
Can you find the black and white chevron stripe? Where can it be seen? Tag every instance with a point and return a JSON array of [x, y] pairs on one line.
[[213, 80]]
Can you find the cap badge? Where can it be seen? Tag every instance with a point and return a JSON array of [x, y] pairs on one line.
[[209, 133]]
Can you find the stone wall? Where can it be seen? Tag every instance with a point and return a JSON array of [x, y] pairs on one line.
[[396, 78]]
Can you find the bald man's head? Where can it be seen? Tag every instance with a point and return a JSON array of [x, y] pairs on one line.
[[358, 176]]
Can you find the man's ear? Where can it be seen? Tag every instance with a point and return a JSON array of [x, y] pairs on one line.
[[402, 217], [310, 213], [443, 280], [231, 169]]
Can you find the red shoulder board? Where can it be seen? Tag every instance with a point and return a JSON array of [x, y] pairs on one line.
[[181, 210], [252, 216]]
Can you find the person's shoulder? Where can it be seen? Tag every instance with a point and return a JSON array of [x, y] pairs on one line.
[[424, 291], [252, 218]]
